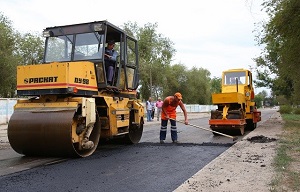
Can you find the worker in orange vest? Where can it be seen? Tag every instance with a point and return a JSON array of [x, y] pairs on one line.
[[169, 113]]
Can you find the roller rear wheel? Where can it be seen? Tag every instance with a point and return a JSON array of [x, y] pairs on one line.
[[135, 133], [250, 125]]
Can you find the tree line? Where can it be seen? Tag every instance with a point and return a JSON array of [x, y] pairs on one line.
[[158, 78]]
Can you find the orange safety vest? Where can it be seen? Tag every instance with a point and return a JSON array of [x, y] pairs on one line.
[[170, 109]]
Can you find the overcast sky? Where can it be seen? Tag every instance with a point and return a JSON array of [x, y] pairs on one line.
[[213, 34]]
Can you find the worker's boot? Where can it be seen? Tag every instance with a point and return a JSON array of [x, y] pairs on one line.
[[86, 144]]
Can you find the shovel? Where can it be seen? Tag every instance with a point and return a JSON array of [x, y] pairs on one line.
[[229, 136]]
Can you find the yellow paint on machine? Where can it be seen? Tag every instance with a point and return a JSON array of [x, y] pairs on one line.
[[119, 113], [57, 75], [219, 98]]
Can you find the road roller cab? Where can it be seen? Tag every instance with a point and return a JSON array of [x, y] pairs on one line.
[[236, 109], [69, 104]]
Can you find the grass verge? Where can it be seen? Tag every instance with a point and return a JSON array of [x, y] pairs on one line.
[[287, 160]]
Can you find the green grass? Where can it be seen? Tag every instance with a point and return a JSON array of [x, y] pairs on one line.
[[287, 160]]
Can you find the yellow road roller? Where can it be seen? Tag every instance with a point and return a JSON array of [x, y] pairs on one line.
[[68, 105], [236, 109]]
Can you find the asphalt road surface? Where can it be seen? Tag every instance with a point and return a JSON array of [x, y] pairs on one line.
[[146, 166]]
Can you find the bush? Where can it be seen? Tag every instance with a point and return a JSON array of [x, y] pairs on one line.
[[297, 111], [285, 109]]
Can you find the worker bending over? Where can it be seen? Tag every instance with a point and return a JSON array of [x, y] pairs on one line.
[[169, 113]]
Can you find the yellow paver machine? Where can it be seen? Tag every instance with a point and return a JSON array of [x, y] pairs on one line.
[[69, 104], [236, 107]]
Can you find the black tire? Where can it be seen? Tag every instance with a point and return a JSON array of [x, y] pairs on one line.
[[250, 125], [135, 133]]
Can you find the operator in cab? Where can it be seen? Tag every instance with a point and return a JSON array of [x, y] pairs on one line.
[[110, 59]]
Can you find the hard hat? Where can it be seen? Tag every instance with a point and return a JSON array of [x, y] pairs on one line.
[[178, 95]]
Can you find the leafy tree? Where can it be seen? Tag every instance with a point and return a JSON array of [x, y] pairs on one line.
[[175, 80], [198, 86], [8, 59], [30, 48], [279, 61], [258, 99], [216, 85], [281, 100], [261, 98], [155, 53]]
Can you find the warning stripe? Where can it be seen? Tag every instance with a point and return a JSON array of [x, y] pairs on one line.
[[58, 84]]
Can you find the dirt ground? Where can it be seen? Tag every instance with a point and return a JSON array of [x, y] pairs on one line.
[[246, 166]]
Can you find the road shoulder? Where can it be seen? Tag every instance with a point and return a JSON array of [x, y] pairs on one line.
[[246, 166]]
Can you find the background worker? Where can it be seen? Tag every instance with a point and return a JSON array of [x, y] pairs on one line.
[[149, 109], [158, 105], [169, 113], [153, 111]]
